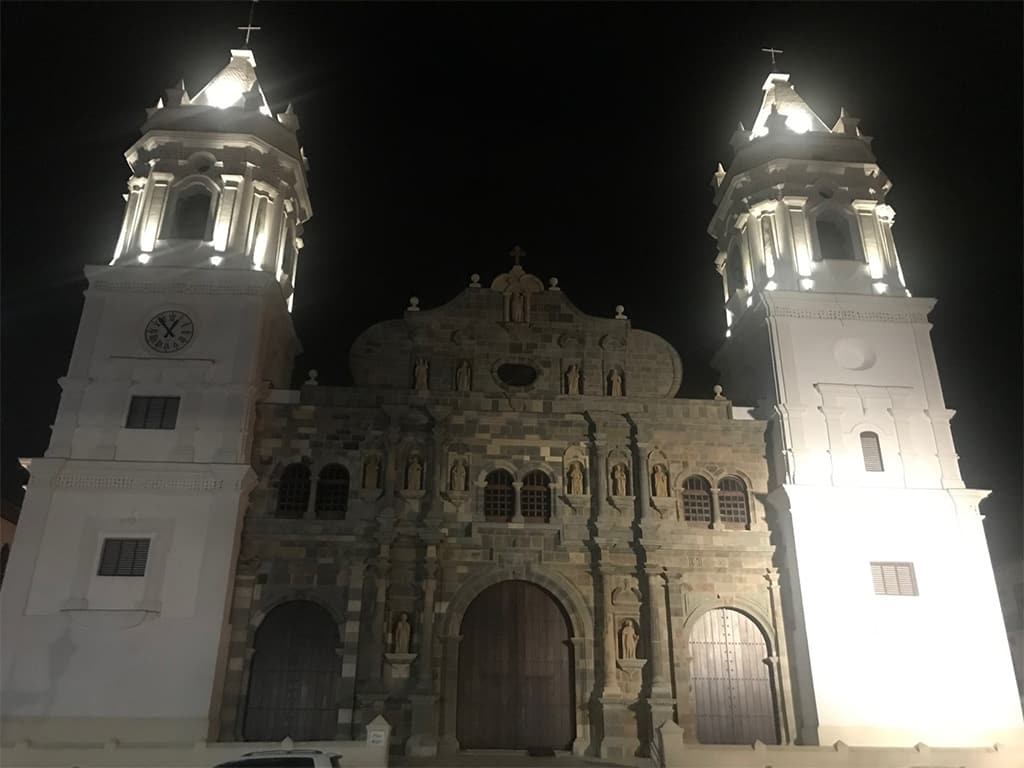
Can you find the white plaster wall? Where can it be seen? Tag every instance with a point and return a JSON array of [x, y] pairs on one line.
[[77, 645], [894, 670]]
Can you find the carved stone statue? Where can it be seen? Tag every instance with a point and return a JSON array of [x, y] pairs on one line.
[[575, 479], [615, 383], [414, 474], [572, 380], [371, 472], [618, 480], [660, 481], [629, 639], [458, 479], [420, 373], [517, 308], [401, 635], [462, 377]]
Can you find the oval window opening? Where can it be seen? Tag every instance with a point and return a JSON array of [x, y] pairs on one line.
[[517, 374]]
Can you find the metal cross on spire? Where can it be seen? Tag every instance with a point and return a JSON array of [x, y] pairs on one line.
[[249, 28], [772, 51]]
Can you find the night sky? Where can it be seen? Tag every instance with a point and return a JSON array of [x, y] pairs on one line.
[[440, 136]]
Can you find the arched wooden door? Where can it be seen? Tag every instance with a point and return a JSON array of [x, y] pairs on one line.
[[731, 680], [294, 675], [515, 671]]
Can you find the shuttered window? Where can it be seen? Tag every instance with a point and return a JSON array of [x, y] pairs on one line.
[[536, 497], [124, 557], [732, 501], [153, 413], [872, 450], [332, 493], [499, 496], [894, 579], [293, 491], [696, 500]]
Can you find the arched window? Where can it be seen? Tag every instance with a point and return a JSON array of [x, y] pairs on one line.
[[332, 493], [294, 674], [834, 241], [535, 502], [734, 269], [732, 684], [732, 501], [499, 496], [872, 451], [190, 218], [696, 500], [293, 491]]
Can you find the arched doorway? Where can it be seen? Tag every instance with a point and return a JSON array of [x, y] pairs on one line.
[[515, 688], [731, 680], [294, 675]]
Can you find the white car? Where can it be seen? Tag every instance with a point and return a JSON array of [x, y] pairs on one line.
[[285, 758]]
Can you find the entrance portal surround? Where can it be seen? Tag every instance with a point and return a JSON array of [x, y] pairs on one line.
[[581, 622]]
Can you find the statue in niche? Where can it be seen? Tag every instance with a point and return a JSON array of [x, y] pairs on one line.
[[403, 630], [458, 479], [660, 481], [615, 383], [371, 472], [575, 479], [462, 374], [420, 373], [414, 474], [629, 639], [517, 308], [618, 480], [768, 240], [572, 380]]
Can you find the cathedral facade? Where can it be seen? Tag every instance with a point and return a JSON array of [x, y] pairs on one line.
[[509, 533]]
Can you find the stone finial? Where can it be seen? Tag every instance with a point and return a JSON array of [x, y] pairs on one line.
[[311, 380], [553, 282], [414, 304], [718, 176], [717, 389], [619, 310], [776, 121], [474, 280]]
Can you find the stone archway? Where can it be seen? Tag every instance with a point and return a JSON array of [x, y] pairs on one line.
[[516, 668]]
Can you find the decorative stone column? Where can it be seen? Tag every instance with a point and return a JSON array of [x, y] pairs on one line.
[[449, 717], [716, 515], [785, 710], [422, 740], [349, 655], [517, 505], [599, 469], [661, 702], [610, 681], [642, 484]]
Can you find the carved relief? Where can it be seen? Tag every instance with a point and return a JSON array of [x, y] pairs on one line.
[[574, 479], [615, 383], [421, 373], [620, 480], [457, 476], [463, 376], [573, 380], [628, 637], [414, 474], [659, 481], [371, 472]]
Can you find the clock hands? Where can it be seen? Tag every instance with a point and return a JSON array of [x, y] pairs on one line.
[[170, 330]]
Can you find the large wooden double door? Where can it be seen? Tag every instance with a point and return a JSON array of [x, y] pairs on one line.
[[515, 671]]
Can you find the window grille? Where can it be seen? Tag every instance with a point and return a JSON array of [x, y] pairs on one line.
[[332, 493], [499, 496], [894, 579], [872, 450], [696, 500], [124, 557], [535, 501], [153, 413], [732, 501], [293, 491]]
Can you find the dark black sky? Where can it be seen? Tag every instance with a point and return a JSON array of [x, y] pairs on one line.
[[441, 135]]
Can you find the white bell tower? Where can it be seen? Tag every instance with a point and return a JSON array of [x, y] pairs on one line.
[[115, 608], [896, 629]]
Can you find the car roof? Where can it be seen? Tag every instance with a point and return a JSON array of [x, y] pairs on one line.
[[283, 752]]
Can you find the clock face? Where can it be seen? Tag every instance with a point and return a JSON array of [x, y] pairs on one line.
[[169, 331]]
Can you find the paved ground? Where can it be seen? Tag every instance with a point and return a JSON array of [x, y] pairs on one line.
[[499, 759]]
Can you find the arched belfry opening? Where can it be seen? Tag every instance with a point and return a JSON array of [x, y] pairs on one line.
[[295, 668], [732, 685], [516, 668]]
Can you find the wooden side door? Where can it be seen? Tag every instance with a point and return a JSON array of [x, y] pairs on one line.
[[731, 681], [515, 671], [294, 674]]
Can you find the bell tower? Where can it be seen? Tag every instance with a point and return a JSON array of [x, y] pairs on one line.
[[116, 603], [896, 634]]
